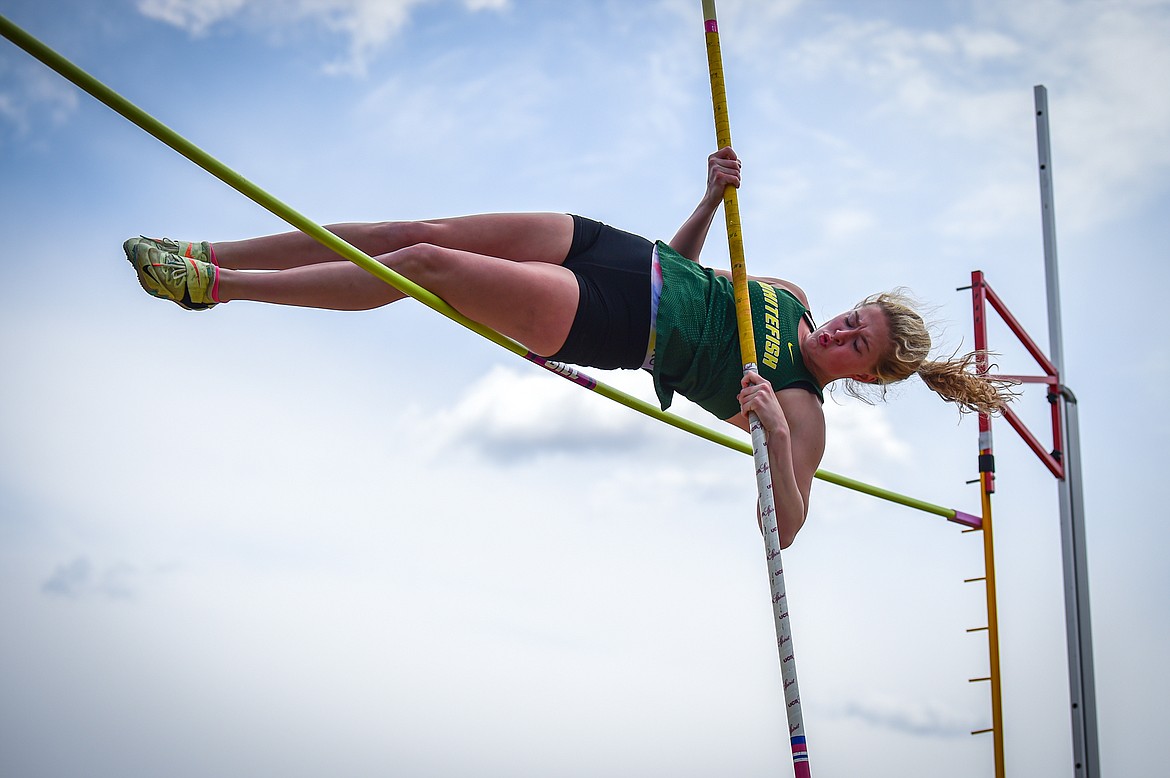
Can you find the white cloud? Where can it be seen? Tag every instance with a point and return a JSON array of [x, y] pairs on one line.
[[987, 45], [30, 91], [915, 718], [196, 16], [511, 415], [846, 224], [964, 82], [69, 579], [488, 5], [80, 577], [984, 210], [859, 437], [1111, 121], [367, 25], [437, 113], [11, 112]]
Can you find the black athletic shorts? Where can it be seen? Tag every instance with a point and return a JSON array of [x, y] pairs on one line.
[[612, 326]]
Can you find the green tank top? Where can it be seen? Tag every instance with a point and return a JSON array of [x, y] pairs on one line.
[[696, 347]]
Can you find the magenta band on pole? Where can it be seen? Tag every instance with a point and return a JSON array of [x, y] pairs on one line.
[[967, 520], [800, 765], [563, 370]]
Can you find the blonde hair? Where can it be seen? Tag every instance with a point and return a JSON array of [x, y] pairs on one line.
[[954, 379]]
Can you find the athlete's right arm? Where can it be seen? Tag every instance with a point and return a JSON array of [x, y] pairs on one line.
[[794, 425], [722, 171]]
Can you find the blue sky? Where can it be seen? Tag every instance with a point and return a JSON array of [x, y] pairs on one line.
[[263, 540]]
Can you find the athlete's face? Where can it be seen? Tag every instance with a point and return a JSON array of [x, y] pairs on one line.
[[849, 345]]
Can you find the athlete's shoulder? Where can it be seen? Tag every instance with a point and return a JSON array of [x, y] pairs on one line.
[[787, 286]]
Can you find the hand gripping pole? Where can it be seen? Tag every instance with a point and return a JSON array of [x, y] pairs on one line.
[[747, 345]]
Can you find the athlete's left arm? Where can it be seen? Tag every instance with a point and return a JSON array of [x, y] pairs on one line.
[[794, 426], [722, 172]]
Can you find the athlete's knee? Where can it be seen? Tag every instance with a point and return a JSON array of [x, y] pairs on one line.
[[423, 263], [393, 235]]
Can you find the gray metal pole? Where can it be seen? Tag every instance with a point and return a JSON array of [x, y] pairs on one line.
[[1082, 694]]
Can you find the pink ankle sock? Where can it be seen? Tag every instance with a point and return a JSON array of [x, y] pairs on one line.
[[215, 266]]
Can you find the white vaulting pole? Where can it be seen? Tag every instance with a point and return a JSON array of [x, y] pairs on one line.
[[747, 344]]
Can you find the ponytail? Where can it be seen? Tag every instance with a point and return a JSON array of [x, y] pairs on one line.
[[955, 381]]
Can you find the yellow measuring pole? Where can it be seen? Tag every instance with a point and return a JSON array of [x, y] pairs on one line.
[[986, 480], [747, 346], [743, 312], [992, 631]]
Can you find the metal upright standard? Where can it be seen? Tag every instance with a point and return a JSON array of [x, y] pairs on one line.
[[747, 345], [1082, 692], [1063, 461]]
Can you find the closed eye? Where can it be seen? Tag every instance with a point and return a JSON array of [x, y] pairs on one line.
[[854, 321]]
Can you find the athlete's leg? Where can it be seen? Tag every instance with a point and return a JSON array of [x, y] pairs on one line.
[[533, 302], [525, 237]]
